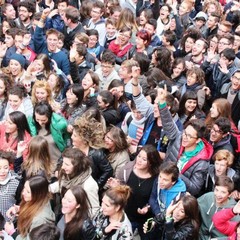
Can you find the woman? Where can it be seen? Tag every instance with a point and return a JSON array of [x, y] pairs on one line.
[[117, 148], [178, 72], [139, 175], [18, 100], [145, 15], [181, 220], [188, 108], [164, 20], [76, 223], [112, 222], [76, 171], [72, 106], [34, 209], [6, 25], [51, 126], [14, 132], [88, 136]]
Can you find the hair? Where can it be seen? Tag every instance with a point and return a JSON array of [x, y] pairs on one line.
[[190, 33], [148, 13], [75, 225], [46, 231], [191, 209], [4, 7], [93, 32], [43, 109], [116, 83], [226, 24], [46, 63], [224, 154], [111, 21], [52, 31], [29, 5], [129, 64], [119, 196], [224, 181], [170, 168], [145, 36], [59, 85], [178, 61], [12, 32], [108, 57], [81, 50], [7, 83], [85, 10], [224, 124], [95, 80], [127, 19], [45, 86], [28, 210], [229, 37], [17, 90], [99, 4], [9, 156], [198, 125], [170, 36], [152, 22], [79, 160], [20, 120], [228, 53], [73, 14], [108, 98], [143, 61], [218, 6], [200, 75], [10, 22], [83, 37], [39, 159], [153, 159]]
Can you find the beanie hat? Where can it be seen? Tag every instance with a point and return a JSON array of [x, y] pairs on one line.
[[19, 58]]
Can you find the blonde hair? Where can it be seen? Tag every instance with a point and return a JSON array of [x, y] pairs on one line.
[[224, 155]]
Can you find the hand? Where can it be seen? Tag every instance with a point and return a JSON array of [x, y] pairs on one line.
[[236, 208], [148, 225], [9, 227], [135, 73], [113, 182], [45, 13], [3, 49], [21, 146], [72, 54], [189, 65], [53, 13], [211, 54], [12, 211], [162, 94], [26, 39], [70, 128], [143, 210], [171, 208], [207, 90], [235, 194], [223, 67], [55, 66], [112, 226]]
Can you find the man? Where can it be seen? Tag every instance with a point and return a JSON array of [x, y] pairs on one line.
[[224, 27], [26, 10], [150, 27], [49, 46], [106, 72], [8, 11], [72, 26], [168, 40], [97, 21], [212, 24]]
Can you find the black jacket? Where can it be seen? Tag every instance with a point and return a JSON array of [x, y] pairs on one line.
[[111, 116]]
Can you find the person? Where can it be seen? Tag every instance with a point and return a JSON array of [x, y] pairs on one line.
[[14, 132], [34, 209], [139, 175], [212, 202], [111, 222], [178, 72], [50, 125], [180, 221], [3, 234], [76, 222], [76, 171], [189, 150], [9, 182], [45, 232], [222, 222], [116, 145]]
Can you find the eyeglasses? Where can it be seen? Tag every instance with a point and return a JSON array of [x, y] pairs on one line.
[[108, 138], [235, 78], [96, 12], [106, 66], [188, 136], [223, 43], [216, 131]]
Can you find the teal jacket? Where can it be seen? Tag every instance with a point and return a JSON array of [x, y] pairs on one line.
[[58, 129]]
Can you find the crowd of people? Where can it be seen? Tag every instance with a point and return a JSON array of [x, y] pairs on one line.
[[120, 119]]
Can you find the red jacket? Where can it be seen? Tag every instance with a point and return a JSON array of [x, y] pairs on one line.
[[223, 224]]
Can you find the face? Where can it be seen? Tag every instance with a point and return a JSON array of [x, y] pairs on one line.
[[235, 79], [92, 41], [221, 167], [150, 29], [191, 79], [164, 13], [178, 70], [214, 111], [101, 104], [211, 22], [140, 43], [190, 105], [52, 42], [2, 88], [87, 82], [67, 165], [118, 91], [123, 73], [178, 212], [14, 101], [165, 181], [69, 203], [107, 68], [111, 30], [108, 208], [216, 134], [4, 169], [236, 44], [189, 44], [116, 15], [5, 27], [221, 195], [142, 19], [15, 67], [11, 127], [198, 48], [123, 38], [24, 14], [199, 23], [71, 97], [183, 9], [76, 140], [224, 61], [18, 41], [109, 142], [222, 30], [213, 43], [9, 40], [41, 94], [137, 114], [189, 138], [38, 65], [211, 9], [52, 81], [10, 12], [96, 14], [223, 44], [141, 161], [41, 119], [26, 193]]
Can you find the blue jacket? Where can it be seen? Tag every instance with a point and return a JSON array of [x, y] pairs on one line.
[[160, 199]]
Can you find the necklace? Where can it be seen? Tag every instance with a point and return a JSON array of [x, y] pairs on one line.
[[140, 182]]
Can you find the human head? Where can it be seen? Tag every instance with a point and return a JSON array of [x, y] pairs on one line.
[[71, 16], [81, 53], [16, 64], [227, 56], [145, 15], [8, 11], [61, 6], [200, 19], [143, 61], [165, 11], [188, 103], [26, 10], [168, 175], [224, 27], [225, 42], [74, 163], [213, 20], [6, 159], [52, 37], [81, 38], [107, 62], [151, 26], [41, 91], [189, 38], [98, 9], [46, 231], [7, 24], [168, 38], [5, 84], [93, 37], [195, 75], [111, 29], [91, 79], [42, 63], [16, 96], [143, 39], [105, 99], [185, 7], [235, 79], [9, 36], [125, 71], [199, 48], [220, 108], [75, 94], [124, 36], [178, 67]]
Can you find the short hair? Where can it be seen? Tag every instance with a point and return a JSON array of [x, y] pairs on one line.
[[52, 31], [46, 231], [129, 64], [125, 29], [5, 6], [170, 36], [224, 154], [61, 36], [99, 4], [29, 5], [108, 57], [93, 32], [144, 35], [228, 53], [198, 125], [229, 37], [224, 181], [73, 14], [170, 168], [226, 24], [216, 16], [9, 156], [200, 75], [83, 37], [224, 124], [11, 32], [81, 50], [152, 22], [37, 16], [111, 21]]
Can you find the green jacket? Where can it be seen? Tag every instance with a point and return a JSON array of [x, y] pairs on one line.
[[58, 129]]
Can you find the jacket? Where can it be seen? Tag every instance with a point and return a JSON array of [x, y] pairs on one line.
[[58, 129], [111, 116], [208, 208], [160, 199], [222, 222], [78, 72], [194, 172]]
